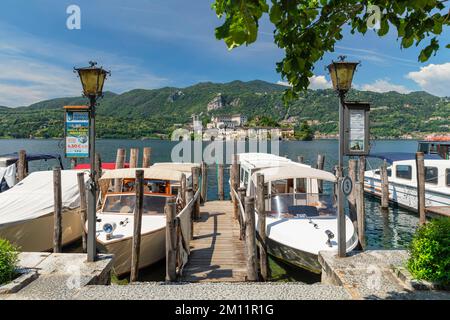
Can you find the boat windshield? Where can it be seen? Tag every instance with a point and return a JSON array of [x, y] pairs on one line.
[[300, 205], [126, 203]]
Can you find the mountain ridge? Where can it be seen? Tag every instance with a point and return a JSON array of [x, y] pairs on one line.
[[154, 112]]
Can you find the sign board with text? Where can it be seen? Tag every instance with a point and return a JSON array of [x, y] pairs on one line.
[[356, 122], [77, 131]]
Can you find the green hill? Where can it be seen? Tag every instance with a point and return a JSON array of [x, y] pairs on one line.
[[149, 113]]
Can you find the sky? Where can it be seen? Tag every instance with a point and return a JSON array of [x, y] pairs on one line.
[[156, 43]]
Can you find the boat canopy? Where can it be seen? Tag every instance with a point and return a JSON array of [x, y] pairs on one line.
[[294, 172], [185, 167], [14, 157], [32, 197], [400, 156], [152, 173]]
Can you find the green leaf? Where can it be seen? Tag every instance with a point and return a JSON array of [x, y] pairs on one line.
[[407, 42], [384, 27]]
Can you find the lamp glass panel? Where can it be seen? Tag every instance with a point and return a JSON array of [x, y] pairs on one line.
[[89, 80]]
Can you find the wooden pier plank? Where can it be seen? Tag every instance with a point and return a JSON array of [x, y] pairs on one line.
[[217, 254]]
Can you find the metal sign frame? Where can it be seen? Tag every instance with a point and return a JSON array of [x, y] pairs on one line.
[[356, 121], [78, 109]]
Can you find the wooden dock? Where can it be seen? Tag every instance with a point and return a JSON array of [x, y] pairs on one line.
[[217, 254]]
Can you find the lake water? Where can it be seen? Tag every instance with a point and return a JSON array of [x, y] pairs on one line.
[[392, 229]]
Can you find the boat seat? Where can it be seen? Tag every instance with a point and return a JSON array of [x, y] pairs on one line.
[[308, 211]]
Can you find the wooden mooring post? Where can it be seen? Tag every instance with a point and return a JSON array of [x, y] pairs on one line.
[[320, 165], [120, 160], [360, 203], [195, 172], [136, 250], [183, 186], [204, 190], [134, 157], [22, 166], [98, 170], [171, 239], [250, 239], [83, 208], [220, 191], [262, 245], [384, 187], [57, 211], [352, 168], [146, 158], [420, 168]]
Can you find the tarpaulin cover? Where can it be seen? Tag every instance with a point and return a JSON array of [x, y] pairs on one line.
[[399, 156], [33, 197]]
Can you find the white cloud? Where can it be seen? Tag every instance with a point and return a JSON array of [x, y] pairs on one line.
[[315, 82], [383, 85], [434, 78]]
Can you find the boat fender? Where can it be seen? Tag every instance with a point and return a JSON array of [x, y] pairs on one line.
[[330, 236]]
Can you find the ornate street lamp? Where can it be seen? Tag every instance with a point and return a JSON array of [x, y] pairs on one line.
[[92, 79], [341, 73]]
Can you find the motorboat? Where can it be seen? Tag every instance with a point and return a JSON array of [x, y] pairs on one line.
[[300, 221], [115, 217], [27, 211], [402, 178], [8, 163]]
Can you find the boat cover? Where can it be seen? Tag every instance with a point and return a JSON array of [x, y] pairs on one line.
[[290, 172], [33, 196], [186, 168], [34, 157], [399, 156], [149, 173]]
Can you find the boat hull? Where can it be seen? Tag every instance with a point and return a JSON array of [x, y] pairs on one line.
[[295, 257], [153, 249], [405, 195], [36, 235]]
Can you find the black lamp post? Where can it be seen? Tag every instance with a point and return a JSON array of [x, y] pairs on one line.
[[92, 79], [341, 73]]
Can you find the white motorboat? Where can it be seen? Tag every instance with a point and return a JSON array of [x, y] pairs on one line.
[[402, 178], [115, 218], [300, 222], [27, 211]]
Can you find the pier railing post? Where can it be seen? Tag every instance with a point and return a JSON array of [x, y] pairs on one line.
[[134, 155], [189, 196], [360, 204], [204, 190], [250, 239], [83, 208], [135, 253], [57, 196], [220, 181], [235, 183], [120, 160], [384, 187], [171, 239], [195, 185], [420, 168], [241, 193], [146, 158], [261, 208]]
